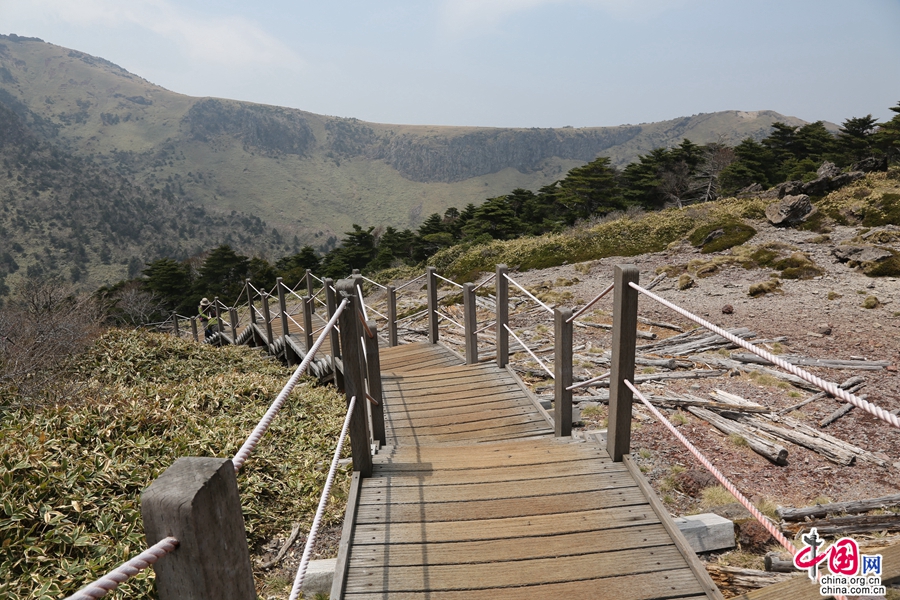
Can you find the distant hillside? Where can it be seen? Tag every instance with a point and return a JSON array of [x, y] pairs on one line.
[[305, 174]]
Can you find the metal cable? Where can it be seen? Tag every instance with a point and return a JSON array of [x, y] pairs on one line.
[[527, 293], [326, 491], [831, 388], [264, 423], [591, 303], [125, 571], [527, 349]]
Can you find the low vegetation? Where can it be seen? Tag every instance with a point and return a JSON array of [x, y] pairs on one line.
[[72, 472]]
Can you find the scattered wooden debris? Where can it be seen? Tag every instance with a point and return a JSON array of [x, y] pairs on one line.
[[851, 385], [847, 407], [662, 324], [858, 365], [737, 580], [763, 446], [841, 526], [727, 363], [644, 377], [695, 341], [644, 335], [853, 507]]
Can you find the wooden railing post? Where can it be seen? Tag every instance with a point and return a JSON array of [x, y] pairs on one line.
[[373, 378], [285, 326], [250, 301], [194, 329], [307, 321], [432, 305], [562, 371], [196, 501], [331, 306], [175, 320], [309, 286], [218, 314], [624, 341], [354, 382], [392, 315], [233, 317], [470, 323], [268, 317], [501, 290]]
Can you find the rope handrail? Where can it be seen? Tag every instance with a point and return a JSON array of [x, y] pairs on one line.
[[258, 293], [238, 299], [486, 327], [311, 274], [590, 381], [608, 289], [320, 511], [410, 282], [527, 349], [770, 527], [527, 293], [126, 570], [377, 313], [264, 423], [303, 329], [827, 386], [450, 281], [443, 316], [299, 297], [373, 282], [488, 280]]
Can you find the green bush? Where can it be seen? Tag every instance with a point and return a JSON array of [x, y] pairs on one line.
[[727, 234]]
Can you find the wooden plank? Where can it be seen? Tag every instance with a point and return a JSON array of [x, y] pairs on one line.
[[703, 578], [540, 571], [470, 459], [442, 427], [450, 398], [462, 414], [397, 494], [477, 510], [483, 434], [660, 585], [459, 408], [396, 555], [342, 565], [497, 474], [513, 527]]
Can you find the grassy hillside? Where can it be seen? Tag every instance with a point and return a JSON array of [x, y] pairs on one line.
[[308, 175], [72, 474]]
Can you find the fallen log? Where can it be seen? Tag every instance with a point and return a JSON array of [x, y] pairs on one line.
[[738, 579], [727, 363], [777, 562], [803, 428], [841, 526], [762, 446], [805, 361], [833, 452], [644, 335], [839, 413], [684, 402], [851, 385], [662, 324], [852, 507], [644, 377]]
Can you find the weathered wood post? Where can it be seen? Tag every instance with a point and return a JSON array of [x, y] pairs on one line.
[[308, 307], [470, 323], [309, 287], [194, 329], [285, 326], [501, 290], [392, 315], [624, 341], [175, 320], [354, 382], [331, 306], [562, 372], [358, 282], [268, 318], [196, 501], [233, 317], [216, 304], [431, 278], [250, 301], [373, 378]]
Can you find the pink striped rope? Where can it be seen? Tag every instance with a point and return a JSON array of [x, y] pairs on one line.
[[266, 421], [831, 388], [126, 570]]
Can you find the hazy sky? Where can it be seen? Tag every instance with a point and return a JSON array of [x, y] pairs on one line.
[[522, 63]]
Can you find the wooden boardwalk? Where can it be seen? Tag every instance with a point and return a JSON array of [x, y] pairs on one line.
[[473, 497]]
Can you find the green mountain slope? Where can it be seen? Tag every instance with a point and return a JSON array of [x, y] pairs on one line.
[[308, 175]]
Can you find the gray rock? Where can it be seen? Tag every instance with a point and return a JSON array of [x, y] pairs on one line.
[[856, 254], [790, 211], [828, 169], [868, 165], [789, 188]]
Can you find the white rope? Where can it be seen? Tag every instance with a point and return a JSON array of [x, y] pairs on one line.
[[264, 423], [125, 571], [314, 530], [591, 303], [450, 281], [443, 316], [527, 293], [587, 383], [488, 326], [410, 282], [527, 349], [831, 388], [316, 278], [377, 313], [488, 280], [373, 282]]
